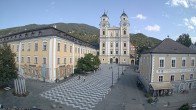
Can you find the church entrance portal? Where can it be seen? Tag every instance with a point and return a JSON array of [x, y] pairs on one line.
[[111, 60]]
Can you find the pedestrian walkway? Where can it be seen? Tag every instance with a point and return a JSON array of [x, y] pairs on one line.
[[85, 94]]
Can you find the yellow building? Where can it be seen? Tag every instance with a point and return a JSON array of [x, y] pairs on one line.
[[47, 53], [167, 68]]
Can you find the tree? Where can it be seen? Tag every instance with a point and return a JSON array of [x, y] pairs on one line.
[[184, 39], [87, 63], [8, 70]]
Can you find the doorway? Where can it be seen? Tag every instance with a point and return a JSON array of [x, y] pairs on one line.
[[116, 60], [111, 60]]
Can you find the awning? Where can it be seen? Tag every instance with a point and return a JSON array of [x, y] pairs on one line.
[[161, 85]]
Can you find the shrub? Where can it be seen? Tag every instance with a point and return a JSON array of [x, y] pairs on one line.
[[150, 100], [184, 107], [147, 95]]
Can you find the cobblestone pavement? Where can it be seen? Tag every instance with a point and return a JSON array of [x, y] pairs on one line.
[[94, 93], [86, 92]]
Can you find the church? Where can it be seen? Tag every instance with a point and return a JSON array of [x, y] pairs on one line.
[[114, 45]]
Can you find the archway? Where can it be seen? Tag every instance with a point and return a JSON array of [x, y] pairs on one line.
[[132, 61], [111, 60], [116, 60]]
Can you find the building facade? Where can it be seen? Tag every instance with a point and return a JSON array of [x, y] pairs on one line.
[[169, 67], [47, 53], [114, 41]]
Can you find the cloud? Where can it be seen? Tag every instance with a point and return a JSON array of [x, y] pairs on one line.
[[190, 23], [184, 3], [153, 28], [140, 16]]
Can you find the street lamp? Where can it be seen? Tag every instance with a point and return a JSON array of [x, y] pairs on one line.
[[112, 76], [122, 70], [118, 72]]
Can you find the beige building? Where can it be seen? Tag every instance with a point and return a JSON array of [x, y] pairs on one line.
[[114, 41], [167, 68], [46, 53]]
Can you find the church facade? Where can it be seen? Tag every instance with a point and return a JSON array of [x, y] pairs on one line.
[[114, 45]]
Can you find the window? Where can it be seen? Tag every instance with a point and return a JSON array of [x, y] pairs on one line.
[[58, 47], [75, 50], [58, 60], [123, 18], [124, 44], [116, 52], [22, 47], [44, 46], [22, 59], [13, 47], [36, 46], [103, 19], [173, 63], [116, 44], [70, 60], [65, 47], [111, 44], [161, 63], [29, 46], [111, 52], [78, 50], [182, 77], [103, 52], [44, 60], [70, 49], [17, 59], [192, 62], [125, 52], [183, 62], [17, 48], [28, 59], [64, 60], [103, 45], [191, 76], [125, 32], [172, 78], [35, 60], [103, 32], [160, 78]]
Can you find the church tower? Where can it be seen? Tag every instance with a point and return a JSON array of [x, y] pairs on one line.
[[114, 41]]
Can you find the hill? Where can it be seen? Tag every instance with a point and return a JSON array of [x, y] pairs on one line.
[[85, 32], [81, 31], [142, 40]]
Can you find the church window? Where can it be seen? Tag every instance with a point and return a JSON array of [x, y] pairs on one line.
[[123, 18], [125, 32], [103, 32], [103, 45]]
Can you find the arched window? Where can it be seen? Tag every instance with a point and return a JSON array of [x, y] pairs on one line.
[[103, 32], [125, 32], [103, 44]]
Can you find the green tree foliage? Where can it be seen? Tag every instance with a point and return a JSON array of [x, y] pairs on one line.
[[140, 40], [184, 39], [87, 63], [185, 107], [8, 70], [82, 31]]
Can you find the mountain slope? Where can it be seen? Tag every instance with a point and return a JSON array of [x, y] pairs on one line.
[[140, 40], [81, 31]]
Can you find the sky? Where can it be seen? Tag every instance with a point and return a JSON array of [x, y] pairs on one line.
[[154, 18]]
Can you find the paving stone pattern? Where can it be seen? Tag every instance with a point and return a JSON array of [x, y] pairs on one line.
[[86, 92]]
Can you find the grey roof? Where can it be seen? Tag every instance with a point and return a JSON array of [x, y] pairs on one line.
[[123, 14], [104, 15], [43, 32], [192, 46], [169, 46]]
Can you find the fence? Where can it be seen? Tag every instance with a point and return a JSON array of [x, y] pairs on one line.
[[20, 86]]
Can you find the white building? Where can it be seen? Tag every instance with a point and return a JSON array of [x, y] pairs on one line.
[[114, 41]]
